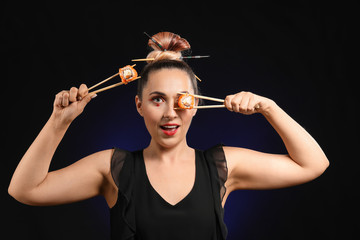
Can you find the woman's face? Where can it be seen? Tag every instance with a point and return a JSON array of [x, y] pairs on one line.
[[168, 127]]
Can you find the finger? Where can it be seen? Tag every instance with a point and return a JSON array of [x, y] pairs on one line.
[[235, 102], [58, 100], [73, 94], [83, 91], [244, 104], [65, 99], [86, 100], [253, 104], [227, 102]]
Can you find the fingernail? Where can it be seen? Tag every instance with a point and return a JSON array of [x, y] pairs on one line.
[[94, 96]]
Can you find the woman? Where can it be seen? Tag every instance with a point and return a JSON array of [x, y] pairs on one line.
[[167, 190]]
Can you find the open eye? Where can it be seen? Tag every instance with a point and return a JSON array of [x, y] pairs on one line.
[[157, 99]]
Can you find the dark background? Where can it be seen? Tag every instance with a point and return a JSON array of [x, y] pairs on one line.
[[293, 53]]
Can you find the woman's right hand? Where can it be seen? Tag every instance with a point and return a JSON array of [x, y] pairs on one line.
[[69, 104]]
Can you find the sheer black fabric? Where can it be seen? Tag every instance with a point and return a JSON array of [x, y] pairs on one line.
[[122, 214], [215, 157], [128, 173]]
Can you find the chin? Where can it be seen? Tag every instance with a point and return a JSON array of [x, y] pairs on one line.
[[168, 143]]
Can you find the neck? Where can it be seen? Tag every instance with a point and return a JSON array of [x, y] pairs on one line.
[[167, 154]]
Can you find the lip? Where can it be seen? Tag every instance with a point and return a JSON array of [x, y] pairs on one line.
[[170, 131]]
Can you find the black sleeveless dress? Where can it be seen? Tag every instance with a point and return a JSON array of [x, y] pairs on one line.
[[141, 213]]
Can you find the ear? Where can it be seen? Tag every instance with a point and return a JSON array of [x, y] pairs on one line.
[[138, 105]]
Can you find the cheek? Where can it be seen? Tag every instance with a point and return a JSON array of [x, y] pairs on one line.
[[186, 116], [152, 113]]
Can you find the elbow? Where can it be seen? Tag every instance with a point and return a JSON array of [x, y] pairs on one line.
[[320, 168], [16, 194], [325, 164], [12, 190], [19, 195]]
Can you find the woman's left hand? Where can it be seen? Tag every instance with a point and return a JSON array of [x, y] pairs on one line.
[[247, 103]]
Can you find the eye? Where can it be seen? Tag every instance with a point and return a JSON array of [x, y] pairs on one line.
[[157, 99]]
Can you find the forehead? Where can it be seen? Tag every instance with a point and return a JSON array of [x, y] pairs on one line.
[[169, 80]]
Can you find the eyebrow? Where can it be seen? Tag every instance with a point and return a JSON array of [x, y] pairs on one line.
[[158, 93], [163, 94]]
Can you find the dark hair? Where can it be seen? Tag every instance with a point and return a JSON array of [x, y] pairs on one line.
[[165, 64]]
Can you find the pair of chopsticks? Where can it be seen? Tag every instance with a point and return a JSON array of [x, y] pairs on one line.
[[210, 99], [206, 98], [114, 85]]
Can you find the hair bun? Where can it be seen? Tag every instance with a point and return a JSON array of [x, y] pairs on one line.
[[169, 46], [169, 42]]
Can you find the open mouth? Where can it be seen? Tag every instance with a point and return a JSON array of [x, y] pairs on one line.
[[170, 129]]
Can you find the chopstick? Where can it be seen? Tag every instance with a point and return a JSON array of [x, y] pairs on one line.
[[197, 78], [111, 86], [182, 57], [201, 107], [208, 106], [207, 98], [204, 97], [104, 81], [143, 59]]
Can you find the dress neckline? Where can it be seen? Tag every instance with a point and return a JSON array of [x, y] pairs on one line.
[[158, 194]]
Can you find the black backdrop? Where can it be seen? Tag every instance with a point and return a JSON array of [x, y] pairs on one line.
[[292, 53]]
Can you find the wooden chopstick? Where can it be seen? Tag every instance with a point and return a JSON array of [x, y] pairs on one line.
[[197, 78], [208, 106], [182, 57], [143, 59], [104, 81], [209, 98], [112, 86], [206, 98], [201, 107]]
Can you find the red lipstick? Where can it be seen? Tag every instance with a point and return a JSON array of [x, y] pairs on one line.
[[170, 128]]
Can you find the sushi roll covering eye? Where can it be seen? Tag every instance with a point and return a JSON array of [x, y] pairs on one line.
[[186, 101]]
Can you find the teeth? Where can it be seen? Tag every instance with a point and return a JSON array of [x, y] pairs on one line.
[[169, 126]]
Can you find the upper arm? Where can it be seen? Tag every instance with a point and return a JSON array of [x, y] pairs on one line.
[[81, 180], [250, 169]]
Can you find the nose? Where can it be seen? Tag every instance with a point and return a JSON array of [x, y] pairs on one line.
[[170, 112]]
